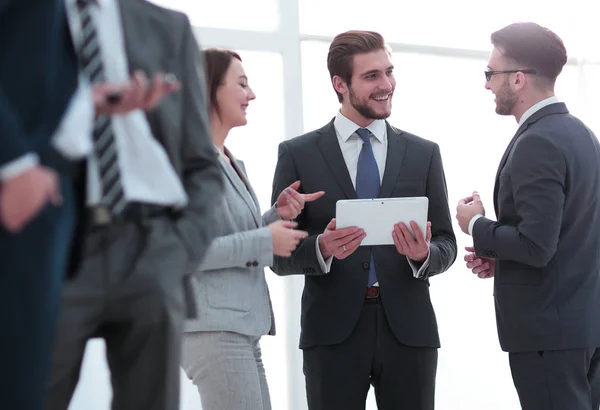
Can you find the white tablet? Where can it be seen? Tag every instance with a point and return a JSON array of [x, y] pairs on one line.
[[378, 216]]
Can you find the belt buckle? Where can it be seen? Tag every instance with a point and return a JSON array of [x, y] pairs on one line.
[[101, 215]]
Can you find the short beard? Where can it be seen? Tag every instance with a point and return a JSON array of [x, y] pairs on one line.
[[362, 107], [506, 100]]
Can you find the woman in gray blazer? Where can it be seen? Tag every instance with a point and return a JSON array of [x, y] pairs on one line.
[[221, 352]]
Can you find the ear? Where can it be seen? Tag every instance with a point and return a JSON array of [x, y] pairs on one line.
[[519, 81], [339, 85]]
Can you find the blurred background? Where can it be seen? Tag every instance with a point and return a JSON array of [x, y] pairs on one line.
[[440, 49]]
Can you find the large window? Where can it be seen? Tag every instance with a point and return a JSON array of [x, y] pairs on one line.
[[440, 53], [465, 24], [229, 14], [442, 97]]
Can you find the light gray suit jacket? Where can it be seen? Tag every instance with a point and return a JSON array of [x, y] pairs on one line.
[[229, 286]]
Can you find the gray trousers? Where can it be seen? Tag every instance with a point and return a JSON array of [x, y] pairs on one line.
[[128, 292], [227, 368]]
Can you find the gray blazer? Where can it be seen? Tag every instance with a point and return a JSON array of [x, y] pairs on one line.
[[229, 285]]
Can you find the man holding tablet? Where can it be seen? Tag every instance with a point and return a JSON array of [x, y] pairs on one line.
[[367, 316]]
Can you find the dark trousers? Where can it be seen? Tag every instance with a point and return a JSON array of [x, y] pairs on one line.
[[338, 377], [557, 380], [31, 277]]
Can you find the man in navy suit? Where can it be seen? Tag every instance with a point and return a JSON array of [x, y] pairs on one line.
[[43, 118], [543, 250], [38, 76]]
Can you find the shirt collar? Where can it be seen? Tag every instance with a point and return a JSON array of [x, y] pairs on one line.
[[536, 107], [346, 127]]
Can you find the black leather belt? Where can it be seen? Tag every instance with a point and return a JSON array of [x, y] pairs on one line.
[[134, 212], [372, 292]]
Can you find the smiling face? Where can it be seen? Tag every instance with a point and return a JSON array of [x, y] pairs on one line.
[[500, 84], [368, 97], [234, 95]]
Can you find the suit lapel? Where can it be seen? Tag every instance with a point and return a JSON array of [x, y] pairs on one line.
[[132, 28], [237, 176], [393, 163], [250, 196], [134, 32], [149, 38], [503, 162], [330, 148], [254, 198], [556, 108]]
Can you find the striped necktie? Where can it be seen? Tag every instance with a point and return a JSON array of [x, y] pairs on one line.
[[105, 147]]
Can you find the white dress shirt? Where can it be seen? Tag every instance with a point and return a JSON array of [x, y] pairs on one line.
[[351, 145], [71, 138], [532, 110], [146, 172]]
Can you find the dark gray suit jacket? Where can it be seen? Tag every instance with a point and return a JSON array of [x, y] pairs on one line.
[[157, 39], [332, 303], [547, 238]]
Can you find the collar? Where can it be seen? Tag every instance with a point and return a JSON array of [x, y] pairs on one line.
[[536, 107], [346, 127]]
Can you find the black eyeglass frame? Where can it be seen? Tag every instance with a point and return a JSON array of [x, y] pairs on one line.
[[490, 73]]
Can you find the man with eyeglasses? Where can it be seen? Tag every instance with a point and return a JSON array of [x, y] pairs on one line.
[[544, 248]]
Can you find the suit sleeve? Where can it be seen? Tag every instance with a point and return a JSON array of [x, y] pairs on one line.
[[202, 178], [442, 251], [239, 250], [304, 259], [537, 176], [270, 216], [12, 135]]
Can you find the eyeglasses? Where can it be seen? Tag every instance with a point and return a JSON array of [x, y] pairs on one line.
[[489, 74]]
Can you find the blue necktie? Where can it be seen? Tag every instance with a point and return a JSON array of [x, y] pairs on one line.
[[367, 182]]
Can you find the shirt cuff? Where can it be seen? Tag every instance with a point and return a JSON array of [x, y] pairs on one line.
[[419, 273], [472, 223], [18, 166], [73, 137], [324, 264]]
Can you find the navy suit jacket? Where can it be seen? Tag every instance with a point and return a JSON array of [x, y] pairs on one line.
[[38, 74], [546, 241]]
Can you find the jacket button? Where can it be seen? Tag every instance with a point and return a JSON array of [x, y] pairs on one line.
[[255, 263], [366, 265], [248, 264]]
